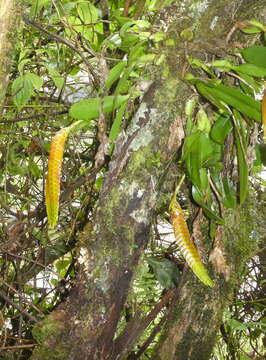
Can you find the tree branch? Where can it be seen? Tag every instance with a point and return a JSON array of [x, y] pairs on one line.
[[68, 43], [19, 308]]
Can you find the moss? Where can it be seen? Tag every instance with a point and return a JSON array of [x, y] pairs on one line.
[[59, 352], [48, 327], [46, 334], [239, 242]]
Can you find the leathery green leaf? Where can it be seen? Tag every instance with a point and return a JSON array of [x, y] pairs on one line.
[[90, 108], [221, 129], [115, 73], [229, 198], [199, 199], [255, 55], [197, 151], [234, 98], [203, 89], [251, 69], [241, 159], [115, 129]]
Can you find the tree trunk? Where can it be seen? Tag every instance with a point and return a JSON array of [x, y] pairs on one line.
[[10, 13], [191, 329], [84, 327], [110, 249]]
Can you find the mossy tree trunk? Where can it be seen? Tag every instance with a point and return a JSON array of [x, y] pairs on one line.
[[10, 14], [84, 326], [190, 330]]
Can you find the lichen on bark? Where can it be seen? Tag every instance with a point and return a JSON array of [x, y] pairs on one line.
[[122, 223], [10, 15]]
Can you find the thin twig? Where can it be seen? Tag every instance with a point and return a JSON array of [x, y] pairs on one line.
[[7, 208], [35, 116], [17, 347], [139, 8], [126, 7], [19, 308], [65, 42], [136, 326], [34, 262], [148, 341], [21, 296]]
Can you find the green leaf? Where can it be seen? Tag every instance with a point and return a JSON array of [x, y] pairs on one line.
[[56, 77], [203, 180], [165, 271], [221, 129], [187, 34], [203, 122], [199, 199], [255, 55], [144, 59], [87, 31], [239, 97], [134, 26], [62, 264], [198, 142], [197, 63], [34, 169], [236, 325], [232, 97], [260, 150], [222, 64], [123, 83], [125, 27], [87, 12], [23, 88], [203, 89], [229, 194], [251, 69], [22, 63], [90, 108], [136, 51], [253, 27], [115, 129], [36, 80], [37, 7], [198, 150], [189, 111], [241, 159], [128, 41], [158, 36], [245, 81], [257, 24], [115, 73]]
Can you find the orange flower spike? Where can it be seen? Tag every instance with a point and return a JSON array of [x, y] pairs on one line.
[[52, 186], [263, 111], [186, 245]]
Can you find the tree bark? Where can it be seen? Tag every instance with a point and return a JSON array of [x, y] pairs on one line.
[[10, 14], [111, 247], [190, 330], [84, 327]]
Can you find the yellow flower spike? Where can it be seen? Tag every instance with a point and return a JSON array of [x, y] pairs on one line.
[[52, 186], [185, 244]]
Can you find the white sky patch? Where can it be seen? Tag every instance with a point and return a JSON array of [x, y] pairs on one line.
[[214, 22], [140, 193]]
